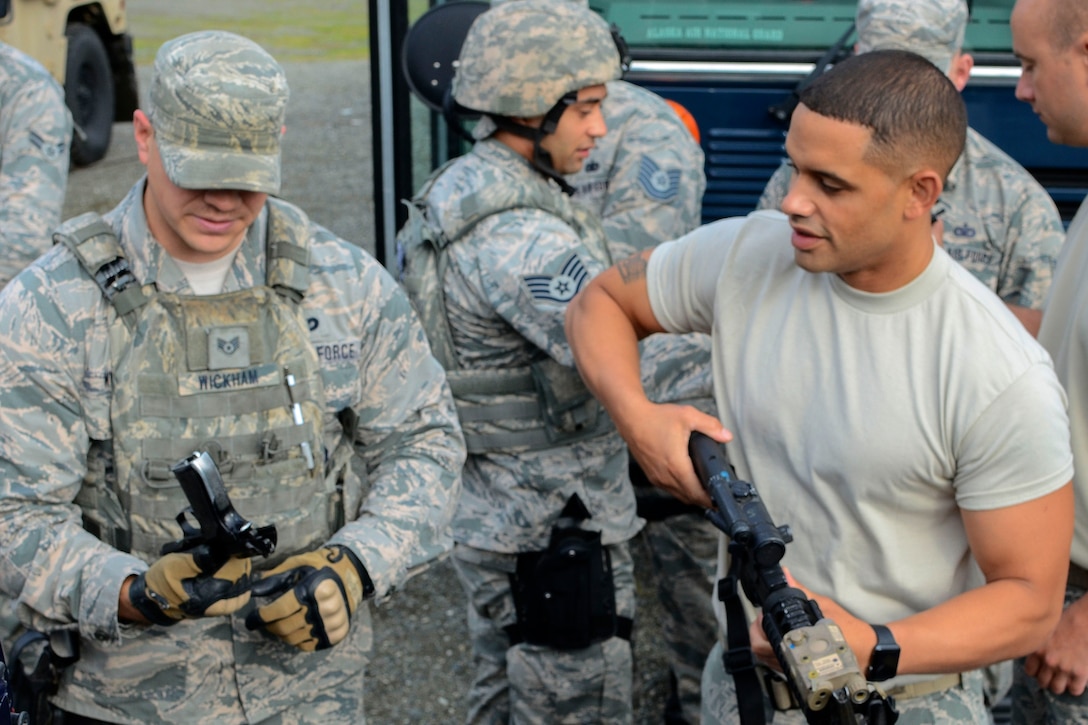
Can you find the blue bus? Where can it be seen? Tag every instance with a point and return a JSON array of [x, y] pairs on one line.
[[731, 64]]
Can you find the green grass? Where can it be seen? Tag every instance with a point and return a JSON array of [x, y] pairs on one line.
[[289, 30], [315, 35]]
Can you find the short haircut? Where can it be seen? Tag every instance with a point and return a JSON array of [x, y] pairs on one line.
[[1068, 20], [916, 115]]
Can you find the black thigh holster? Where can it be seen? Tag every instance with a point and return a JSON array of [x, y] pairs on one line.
[[564, 596]]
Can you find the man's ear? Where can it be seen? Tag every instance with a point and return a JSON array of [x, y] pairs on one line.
[[925, 188], [959, 72], [143, 133]]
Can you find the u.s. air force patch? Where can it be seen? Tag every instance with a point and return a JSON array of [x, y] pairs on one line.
[[560, 287], [658, 183]]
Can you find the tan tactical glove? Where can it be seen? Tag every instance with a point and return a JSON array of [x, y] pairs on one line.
[[316, 594], [191, 584]]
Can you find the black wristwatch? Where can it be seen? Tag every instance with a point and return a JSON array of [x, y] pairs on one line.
[[884, 662]]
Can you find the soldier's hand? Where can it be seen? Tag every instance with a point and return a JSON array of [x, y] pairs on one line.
[[315, 595], [191, 584]]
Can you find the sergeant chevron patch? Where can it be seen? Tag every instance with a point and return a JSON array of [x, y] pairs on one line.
[[561, 287], [658, 183]]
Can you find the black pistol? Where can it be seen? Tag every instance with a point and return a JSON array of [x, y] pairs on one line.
[[220, 527]]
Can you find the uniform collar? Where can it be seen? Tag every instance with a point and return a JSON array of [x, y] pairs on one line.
[[152, 265]]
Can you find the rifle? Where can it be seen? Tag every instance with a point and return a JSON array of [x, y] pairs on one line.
[[820, 668], [221, 527]]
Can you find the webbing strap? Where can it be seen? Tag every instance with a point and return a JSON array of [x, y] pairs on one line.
[[211, 405], [507, 440], [490, 382], [738, 658]]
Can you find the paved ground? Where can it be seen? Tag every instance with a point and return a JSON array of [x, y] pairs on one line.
[[326, 152], [421, 665]]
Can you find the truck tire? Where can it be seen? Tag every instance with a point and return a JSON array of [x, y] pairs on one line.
[[88, 91]]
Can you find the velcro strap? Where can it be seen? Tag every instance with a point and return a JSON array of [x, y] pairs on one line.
[[490, 382]]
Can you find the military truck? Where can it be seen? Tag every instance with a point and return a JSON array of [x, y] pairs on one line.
[[85, 44]]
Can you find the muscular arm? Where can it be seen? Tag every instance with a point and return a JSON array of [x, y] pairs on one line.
[[1022, 597], [1009, 616], [604, 324]]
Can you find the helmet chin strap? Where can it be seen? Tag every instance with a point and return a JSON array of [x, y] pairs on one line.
[[542, 160]]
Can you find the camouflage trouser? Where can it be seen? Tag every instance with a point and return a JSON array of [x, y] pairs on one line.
[[958, 706], [683, 551], [322, 708], [529, 684], [1032, 705]]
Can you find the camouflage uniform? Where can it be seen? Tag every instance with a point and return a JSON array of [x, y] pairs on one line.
[[645, 180], [507, 281], [385, 399], [511, 501], [35, 135], [999, 222]]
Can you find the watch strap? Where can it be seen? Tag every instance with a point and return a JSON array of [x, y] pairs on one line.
[[884, 661]]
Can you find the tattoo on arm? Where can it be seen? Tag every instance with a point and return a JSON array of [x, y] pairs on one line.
[[632, 269]]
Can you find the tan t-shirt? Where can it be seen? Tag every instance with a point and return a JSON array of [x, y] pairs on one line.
[[867, 421]]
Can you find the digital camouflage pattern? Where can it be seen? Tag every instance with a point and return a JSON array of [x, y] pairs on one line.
[[962, 705], [645, 181], [999, 222], [218, 103], [933, 29], [55, 390], [644, 178], [35, 136], [532, 684], [507, 286], [520, 57], [235, 349]]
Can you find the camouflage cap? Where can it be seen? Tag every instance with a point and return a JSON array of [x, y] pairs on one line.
[[931, 28], [520, 57], [217, 106]]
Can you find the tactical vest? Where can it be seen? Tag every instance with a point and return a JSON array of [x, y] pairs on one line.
[[234, 374], [539, 406]]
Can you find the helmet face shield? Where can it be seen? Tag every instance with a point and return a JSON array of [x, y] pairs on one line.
[[521, 58]]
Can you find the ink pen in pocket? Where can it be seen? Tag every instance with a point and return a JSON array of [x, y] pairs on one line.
[[296, 416]]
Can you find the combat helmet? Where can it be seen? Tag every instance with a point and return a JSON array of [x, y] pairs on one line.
[[529, 58]]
